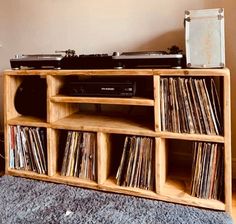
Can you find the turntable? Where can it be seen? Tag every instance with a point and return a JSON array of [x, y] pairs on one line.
[[36, 61], [148, 59], [127, 60]]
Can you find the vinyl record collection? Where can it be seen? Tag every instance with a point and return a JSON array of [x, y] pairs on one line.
[[190, 105], [27, 148], [80, 155], [136, 167], [208, 171]]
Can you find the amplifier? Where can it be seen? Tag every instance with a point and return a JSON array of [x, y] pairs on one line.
[[100, 88]]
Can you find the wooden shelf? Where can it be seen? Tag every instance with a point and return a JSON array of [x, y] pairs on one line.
[[120, 72], [28, 121], [110, 184], [93, 72], [104, 123], [65, 113], [195, 137], [74, 180], [178, 190], [192, 72], [103, 100], [25, 173]]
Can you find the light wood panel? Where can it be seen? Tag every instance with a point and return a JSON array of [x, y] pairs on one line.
[[104, 123], [11, 85], [104, 156], [120, 72], [74, 181], [103, 100], [227, 145], [193, 137], [160, 164], [26, 72], [111, 185], [174, 192], [52, 151], [192, 72], [57, 178], [178, 190], [56, 111], [106, 72], [25, 173], [28, 121], [157, 109]]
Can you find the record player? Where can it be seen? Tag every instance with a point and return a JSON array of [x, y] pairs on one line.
[[148, 59], [130, 60], [36, 61]]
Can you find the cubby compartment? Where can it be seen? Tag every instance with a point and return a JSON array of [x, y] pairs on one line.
[[75, 155], [131, 162], [194, 170], [26, 101], [27, 149], [192, 105], [101, 117], [123, 89]]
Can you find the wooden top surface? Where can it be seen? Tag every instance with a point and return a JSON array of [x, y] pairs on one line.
[[121, 72]]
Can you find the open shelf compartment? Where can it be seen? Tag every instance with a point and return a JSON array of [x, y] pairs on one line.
[[103, 118], [111, 149], [109, 89], [25, 100], [27, 150], [71, 148], [179, 159]]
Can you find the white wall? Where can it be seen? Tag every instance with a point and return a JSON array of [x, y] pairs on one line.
[[104, 26]]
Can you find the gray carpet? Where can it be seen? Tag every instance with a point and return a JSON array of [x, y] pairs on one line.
[[28, 201]]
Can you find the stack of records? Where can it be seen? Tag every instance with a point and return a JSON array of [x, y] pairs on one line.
[[190, 105], [136, 167], [27, 149], [208, 171], [80, 155]]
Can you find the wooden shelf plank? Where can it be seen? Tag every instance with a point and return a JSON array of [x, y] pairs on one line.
[[110, 184], [173, 192], [104, 123], [192, 72], [177, 191], [26, 173], [26, 72], [74, 180], [28, 121], [89, 72], [103, 100], [193, 137], [120, 72], [56, 178]]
